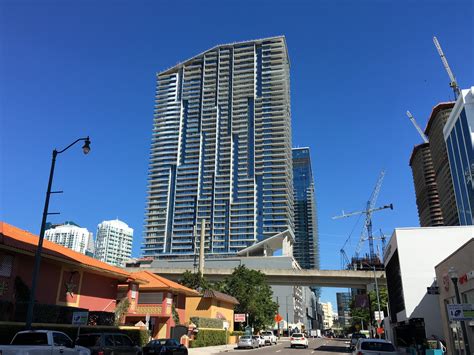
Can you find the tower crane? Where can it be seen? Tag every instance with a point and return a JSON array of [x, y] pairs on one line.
[[369, 210], [453, 84], [420, 131]]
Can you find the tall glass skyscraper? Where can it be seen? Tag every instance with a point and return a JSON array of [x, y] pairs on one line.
[[306, 250], [459, 136], [221, 151]]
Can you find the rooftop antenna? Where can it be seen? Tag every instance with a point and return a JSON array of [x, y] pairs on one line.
[[420, 131], [453, 84]]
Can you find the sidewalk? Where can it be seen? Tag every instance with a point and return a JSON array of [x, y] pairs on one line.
[[211, 349]]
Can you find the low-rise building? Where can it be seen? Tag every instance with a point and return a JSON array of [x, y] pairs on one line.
[[160, 299], [66, 277], [212, 304], [410, 260], [462, 263]]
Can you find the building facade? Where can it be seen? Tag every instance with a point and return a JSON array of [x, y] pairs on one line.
[[71, 236], [113, 242], [434, 189], [410, 260], [328, 315], [221, 151], [459, 136], [462, 262], [344, 300], [306, 249]]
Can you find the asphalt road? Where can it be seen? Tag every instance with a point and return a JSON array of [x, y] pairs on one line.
[[319, 346]]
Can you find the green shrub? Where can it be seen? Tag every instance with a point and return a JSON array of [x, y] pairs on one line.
[[237, 333], [209, 337], [8, 330], [213, 323]]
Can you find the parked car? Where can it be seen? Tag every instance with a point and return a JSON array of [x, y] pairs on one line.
[[165, 347], [42, 342], [108, 344], [354, 338], [298, 339], [374, 346], [247, 341], [269, 337], [260, 339]]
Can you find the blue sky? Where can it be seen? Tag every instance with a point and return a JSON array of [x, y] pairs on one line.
[[75, 68]]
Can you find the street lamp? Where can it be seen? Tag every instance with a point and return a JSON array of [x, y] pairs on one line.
[[376, 290], [86, 149], [453, 275]]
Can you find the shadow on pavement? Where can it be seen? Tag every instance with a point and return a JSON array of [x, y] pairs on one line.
[[333, 349]]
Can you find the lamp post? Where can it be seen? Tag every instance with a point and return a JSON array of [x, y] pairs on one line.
[[453, 275], [86, 149], [376, 291]]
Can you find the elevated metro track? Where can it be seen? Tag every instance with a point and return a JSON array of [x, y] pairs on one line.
[[321, 278]]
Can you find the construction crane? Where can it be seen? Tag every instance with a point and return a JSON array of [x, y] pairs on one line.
[[453, 84], [369, 210], [420, 131]]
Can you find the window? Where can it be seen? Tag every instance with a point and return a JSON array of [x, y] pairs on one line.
[[376, 346], [109, 340], [60, 339], [125, 340], [30, 339], [89, 341], [6, 264]]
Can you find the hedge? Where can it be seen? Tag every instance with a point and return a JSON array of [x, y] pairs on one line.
[[237, 333], [8, 330], [213, 323], [209, 337]]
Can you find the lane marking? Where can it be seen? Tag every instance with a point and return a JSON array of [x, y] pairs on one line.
[[278, 351]]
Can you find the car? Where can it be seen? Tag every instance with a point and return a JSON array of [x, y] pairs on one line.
[[165, 347], [374, 346], [354, 338], [39, 342], [108, 344], [269, 337], [298, 339], [247, 341], [260, 339]]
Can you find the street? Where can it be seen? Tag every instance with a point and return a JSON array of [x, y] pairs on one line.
[[318, 346]]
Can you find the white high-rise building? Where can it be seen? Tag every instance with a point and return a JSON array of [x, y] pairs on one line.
[[328, 315], [114, 242], [71, 236]]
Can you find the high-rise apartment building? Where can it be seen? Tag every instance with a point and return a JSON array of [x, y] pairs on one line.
[[328, 315], [113, 242], [71, 236], [306, 249], [459, 136], [431, 175], [344, 300], [221, 151]]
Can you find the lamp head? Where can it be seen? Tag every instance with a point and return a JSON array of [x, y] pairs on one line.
[[86, 147], [453, 274]]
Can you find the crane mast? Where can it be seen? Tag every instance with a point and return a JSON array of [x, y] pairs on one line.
[[453, 84], [420, 131]]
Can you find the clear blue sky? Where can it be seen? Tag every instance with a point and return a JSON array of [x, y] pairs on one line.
[[75, 68]]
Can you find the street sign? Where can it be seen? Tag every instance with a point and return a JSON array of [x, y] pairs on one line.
[[378, 315], [380, 331], [80, 318], [457, 312], [433, 290], [239, 317], [278, 318]]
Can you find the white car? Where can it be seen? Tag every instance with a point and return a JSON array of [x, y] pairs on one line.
[[298, 339], [374, 346], [269, 337], [260, 339]]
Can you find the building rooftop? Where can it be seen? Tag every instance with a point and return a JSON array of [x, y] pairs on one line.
[[220, 296], [156, 282], [25, 242], [174, 67]]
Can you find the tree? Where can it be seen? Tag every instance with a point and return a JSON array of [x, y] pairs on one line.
[[195, 281], [363, 314], [254, 296], [121, 309]]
